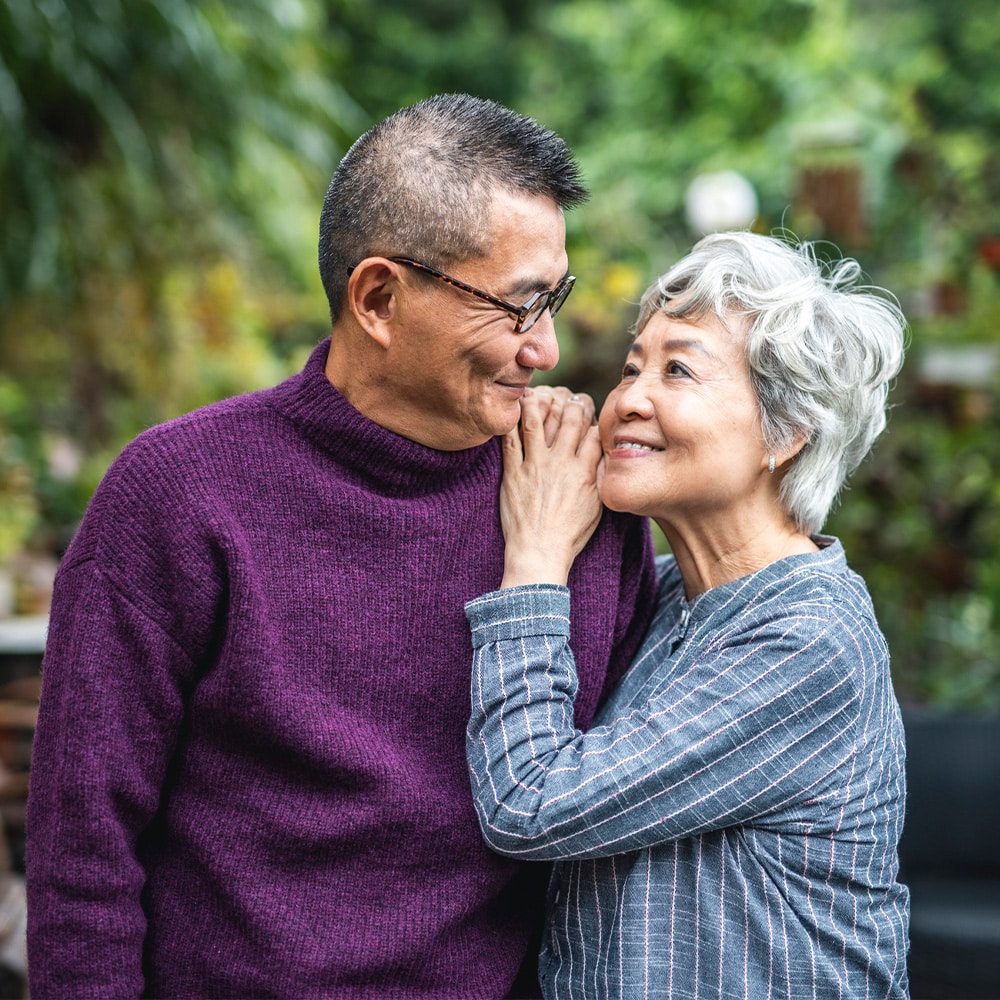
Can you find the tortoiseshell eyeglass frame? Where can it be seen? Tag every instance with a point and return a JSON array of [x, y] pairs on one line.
[[525, 315]]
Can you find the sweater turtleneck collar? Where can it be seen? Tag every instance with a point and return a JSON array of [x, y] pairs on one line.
[[384, 458]]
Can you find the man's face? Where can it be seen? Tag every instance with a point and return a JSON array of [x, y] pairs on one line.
[[457, 369]]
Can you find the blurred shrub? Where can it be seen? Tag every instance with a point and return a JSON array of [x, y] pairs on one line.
[[921, 517]]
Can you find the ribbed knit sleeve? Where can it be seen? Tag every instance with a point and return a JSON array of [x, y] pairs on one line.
[[136, 593]]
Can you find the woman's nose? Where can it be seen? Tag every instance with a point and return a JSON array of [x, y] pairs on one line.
[[632, 401]]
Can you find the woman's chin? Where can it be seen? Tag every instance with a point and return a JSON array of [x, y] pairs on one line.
[[611, 496]]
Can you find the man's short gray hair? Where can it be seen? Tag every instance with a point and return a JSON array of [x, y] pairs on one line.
[[421, 184], [822, 350]]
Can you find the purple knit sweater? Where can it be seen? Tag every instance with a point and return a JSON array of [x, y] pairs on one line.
[[249, 771]]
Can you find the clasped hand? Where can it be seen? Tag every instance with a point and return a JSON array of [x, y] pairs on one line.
[[549, 504]]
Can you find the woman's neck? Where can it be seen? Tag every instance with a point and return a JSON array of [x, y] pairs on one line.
[[710, 554]]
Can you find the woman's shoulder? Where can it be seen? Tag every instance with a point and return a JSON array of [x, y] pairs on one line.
[[813, 598], [818, 592], [822, 578], [818, 603]]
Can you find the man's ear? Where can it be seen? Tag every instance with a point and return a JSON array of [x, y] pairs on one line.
[[372, 292]]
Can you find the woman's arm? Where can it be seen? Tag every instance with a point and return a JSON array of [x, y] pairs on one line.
[[549, 507], [743, 732]]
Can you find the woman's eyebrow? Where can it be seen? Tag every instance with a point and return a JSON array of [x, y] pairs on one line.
[[675, 344], [678, 344]]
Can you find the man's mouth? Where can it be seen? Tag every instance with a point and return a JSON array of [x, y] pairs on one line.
[[516, 388]]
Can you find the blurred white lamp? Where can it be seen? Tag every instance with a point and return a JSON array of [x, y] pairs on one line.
[[720, 201]]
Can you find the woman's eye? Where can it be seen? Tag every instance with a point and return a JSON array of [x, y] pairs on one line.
[[630, 371], [676, 368]]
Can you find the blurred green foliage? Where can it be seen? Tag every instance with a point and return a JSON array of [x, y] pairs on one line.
[[162, 165]]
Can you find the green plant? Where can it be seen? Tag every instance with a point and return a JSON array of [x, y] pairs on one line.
[[921, 522]]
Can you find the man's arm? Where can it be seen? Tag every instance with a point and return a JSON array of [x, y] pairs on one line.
[[113, 691]]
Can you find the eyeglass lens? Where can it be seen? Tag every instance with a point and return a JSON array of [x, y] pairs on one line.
[[551, 300]]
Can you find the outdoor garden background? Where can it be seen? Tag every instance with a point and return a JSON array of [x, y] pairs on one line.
[[162, 166]]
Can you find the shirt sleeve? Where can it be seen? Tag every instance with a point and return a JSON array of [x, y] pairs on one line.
[[741, 733]]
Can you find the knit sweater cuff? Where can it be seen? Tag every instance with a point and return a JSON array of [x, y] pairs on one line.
[[516, 612]]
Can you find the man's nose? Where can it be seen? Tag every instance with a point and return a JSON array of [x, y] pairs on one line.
[[539, 347]]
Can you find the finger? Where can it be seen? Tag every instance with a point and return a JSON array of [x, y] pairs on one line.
[[574, 425], [532, 423], [553, 416], [545, 395], [589, 409], [561, 399], [512, 450], [564, 395], [590, 446], [558, 392]]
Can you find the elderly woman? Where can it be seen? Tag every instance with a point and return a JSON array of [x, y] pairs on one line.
[[729, 827]]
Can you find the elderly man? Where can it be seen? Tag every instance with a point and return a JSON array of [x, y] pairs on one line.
[[249, 772]]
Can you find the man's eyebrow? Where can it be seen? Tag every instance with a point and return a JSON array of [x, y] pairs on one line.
[[528, 286]]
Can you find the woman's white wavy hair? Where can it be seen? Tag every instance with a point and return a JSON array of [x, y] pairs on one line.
[[822, 351]]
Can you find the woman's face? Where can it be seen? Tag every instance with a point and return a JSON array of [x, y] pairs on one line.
[[681, 431]]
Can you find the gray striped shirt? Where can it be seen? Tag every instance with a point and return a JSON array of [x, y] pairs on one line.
[[729, 826]]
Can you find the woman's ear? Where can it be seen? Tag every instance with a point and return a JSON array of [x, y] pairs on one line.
[[789, 454], [372, 298], [783, 458], [798, 443]]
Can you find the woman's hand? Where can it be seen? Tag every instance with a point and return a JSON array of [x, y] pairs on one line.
[[549, 506], [552, 400]]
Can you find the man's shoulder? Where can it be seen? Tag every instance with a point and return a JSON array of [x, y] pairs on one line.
[[169, 465], [189, 444], [621, 527], [235, 412]]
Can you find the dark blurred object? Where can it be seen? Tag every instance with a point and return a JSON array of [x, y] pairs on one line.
[[13, 926], [22, 641], [951, 855]]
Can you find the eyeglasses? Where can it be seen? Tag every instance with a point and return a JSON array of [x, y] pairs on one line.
[[526, 315]]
